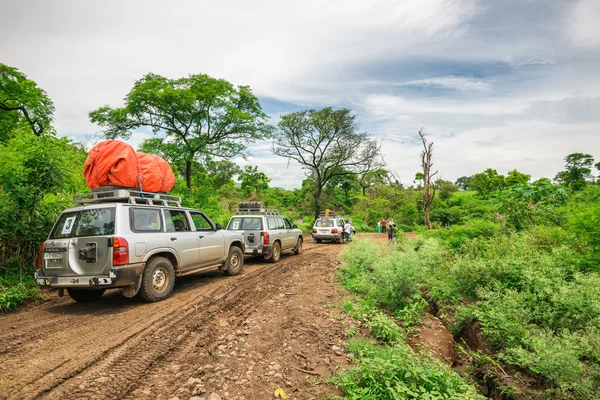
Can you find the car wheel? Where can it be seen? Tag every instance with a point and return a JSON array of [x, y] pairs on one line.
[[276, 252], [298, 249], [158, 280], [235, 261], [85, 296]]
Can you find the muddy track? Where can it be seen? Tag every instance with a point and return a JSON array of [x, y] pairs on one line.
[[110, 348]]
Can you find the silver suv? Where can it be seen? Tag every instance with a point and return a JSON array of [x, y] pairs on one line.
[[132, 240], [329, 227], [265, 232]]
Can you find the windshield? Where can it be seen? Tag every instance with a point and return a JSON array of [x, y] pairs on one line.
[[92, 222], [324, 223], [245, 224]]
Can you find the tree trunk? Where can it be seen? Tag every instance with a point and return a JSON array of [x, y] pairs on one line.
[[317, 204], [427, 221], [188, 174]]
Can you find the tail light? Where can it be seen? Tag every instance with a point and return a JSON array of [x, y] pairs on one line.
[[266, 239], [314, 230], [334, 231], [41, 256], [120, 251]]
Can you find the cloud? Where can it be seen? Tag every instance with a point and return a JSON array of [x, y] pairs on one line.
[[582, 26], [461, 84]]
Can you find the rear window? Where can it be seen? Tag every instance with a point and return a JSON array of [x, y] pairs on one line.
[[325, 223], [245, 224], [92, 222]]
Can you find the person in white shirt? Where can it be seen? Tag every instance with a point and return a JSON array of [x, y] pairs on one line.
[[348, 230]]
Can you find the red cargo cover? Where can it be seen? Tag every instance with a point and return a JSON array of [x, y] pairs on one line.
[[155, 173], [111, 163]]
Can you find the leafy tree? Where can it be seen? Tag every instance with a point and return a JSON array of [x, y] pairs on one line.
[[221, 172], [22, 100], [515, 177], [487, 182], [419, 177], [372, 178], [445, 188], [327, 143], [200, 116], [252, 180], [578, 171], [464, 182]]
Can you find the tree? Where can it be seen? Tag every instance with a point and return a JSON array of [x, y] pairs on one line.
[[372, 178], [464, 182], [327, 143], [487, 182], [445, 188], [515, 177], [252, 180], [419, 177], [21, 99], [199, 115], [578, 171], [428, 187]]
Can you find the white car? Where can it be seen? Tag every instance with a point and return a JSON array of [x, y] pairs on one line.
[[329, 228]]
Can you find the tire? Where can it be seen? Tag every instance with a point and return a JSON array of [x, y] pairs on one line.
[[276, 253], [235, 261], [158, 280], [298, 248], [85, 296]]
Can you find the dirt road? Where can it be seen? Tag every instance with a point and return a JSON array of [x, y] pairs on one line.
[[239, 337]]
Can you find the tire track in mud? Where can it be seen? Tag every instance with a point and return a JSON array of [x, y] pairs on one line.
[[181, 324]]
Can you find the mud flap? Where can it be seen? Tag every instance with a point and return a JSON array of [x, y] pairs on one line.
[[131, 291]]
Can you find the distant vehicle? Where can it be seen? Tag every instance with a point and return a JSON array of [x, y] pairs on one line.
[[329, 227], [265, 232], [132, 240]]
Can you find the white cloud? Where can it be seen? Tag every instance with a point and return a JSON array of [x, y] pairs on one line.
[[461, 84], [583, 24]]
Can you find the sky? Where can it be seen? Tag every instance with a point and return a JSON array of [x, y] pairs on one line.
[[497, 84]]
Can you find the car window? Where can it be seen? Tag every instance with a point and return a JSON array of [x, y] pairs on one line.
[[288, 224], [272, 222], [280, 224], [91, 222], [145, 220], [341, 222], [324, 223], [176, 221], [245, 223], [201, 222]]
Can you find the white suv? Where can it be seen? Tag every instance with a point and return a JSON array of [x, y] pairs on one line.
[[329, 227]]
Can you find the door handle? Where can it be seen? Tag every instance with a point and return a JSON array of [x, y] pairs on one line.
[[173, 238], [201, 236]]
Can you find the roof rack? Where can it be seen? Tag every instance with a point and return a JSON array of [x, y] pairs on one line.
[[328, 213], [128, 196], [254, 207]]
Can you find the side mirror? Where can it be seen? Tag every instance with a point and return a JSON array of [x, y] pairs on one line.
[[218, 227]]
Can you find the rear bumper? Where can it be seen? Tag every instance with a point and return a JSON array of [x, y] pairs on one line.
[[264, 250], [120, 276], [319, 236]]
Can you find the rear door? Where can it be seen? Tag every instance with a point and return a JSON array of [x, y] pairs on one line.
[[182, 238], [251, 228], [289, 234], [81, 243], [212, 242]]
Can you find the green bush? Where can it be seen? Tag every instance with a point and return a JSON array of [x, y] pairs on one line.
[[13, 292]]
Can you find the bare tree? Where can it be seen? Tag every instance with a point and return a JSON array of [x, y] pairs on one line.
[[428, 187], [327, 144]]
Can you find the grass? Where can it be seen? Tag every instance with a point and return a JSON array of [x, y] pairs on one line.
[[13, 293]]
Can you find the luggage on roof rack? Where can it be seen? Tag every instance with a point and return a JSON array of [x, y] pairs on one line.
[[254, 207], [127, 196], [328, 213]]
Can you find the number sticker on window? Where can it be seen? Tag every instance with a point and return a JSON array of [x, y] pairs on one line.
[[235, 224], [68, 227]]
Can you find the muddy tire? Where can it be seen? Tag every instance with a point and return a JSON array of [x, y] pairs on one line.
[[85, 296], [235, 261], [276, 254], [158, 280], [298, 248]]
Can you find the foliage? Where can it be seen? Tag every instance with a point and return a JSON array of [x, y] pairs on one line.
[[22, 101], [327, 143], [14, 290], [578, 171], [199, 115], [252, 180], [487, 182]]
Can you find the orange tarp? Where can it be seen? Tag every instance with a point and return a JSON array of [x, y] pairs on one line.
[[115, 163], [155, 173]]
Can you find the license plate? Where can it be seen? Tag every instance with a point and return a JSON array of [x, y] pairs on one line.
[[52, 256], [325, 231]]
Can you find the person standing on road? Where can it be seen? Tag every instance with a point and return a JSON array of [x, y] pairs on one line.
[[347, 230], [391, 227], [383, 224]]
